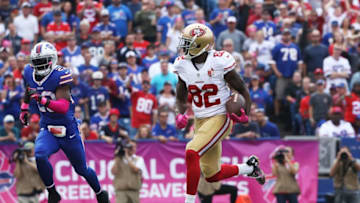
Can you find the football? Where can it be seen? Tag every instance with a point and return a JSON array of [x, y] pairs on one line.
[[235, 103]]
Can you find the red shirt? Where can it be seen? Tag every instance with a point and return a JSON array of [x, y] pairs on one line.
[[89, 13], [27, 131], [141, 47], [352, 108], [92, 136], [142, 105], [304, 107], [60, 29], [42, 8]]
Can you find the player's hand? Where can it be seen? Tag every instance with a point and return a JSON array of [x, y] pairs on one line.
[[24, 117], [181, 121], [239, 119]]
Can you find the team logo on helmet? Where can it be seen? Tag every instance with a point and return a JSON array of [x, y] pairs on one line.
[[197, 32]]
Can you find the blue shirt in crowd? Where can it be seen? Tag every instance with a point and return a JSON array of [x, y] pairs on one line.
[[167, 132], [269, 130], [120, 16], [286, 58], [268, 28], [97, 96], [159, 80], [221, 25]]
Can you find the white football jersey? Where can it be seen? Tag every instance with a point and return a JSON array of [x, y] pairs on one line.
[[207, 85]]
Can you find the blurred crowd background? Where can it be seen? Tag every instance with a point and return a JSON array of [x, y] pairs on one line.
[[299, 58]]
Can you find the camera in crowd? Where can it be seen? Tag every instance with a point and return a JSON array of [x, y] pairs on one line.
[[280, 155], [18, 154], [344, 156], [121, 145]]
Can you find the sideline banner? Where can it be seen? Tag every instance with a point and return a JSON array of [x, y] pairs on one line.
[[164, 172]]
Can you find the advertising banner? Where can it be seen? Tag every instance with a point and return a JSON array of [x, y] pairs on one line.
[[164, 171]]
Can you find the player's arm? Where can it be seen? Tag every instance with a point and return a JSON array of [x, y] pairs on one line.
[[62, 102], [236, 83], [181, 96]]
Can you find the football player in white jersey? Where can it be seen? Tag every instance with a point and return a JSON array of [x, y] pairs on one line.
[[206, 74]]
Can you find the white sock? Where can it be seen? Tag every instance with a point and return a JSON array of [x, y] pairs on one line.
[[190, 198], [244, 169]]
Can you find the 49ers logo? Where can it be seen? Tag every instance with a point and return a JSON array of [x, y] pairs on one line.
[[197, 32]]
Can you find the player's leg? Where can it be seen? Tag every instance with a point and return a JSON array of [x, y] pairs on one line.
[[228, 189], [45, 145], [75, 152], [207, 133]]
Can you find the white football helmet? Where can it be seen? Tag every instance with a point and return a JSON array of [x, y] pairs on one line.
[[43, 58]]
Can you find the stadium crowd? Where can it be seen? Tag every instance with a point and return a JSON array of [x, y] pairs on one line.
[[300, 59]]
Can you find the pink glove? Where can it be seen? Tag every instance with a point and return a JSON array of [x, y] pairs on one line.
[[239, 119], [181, 121], [24, 115], [39, 99]]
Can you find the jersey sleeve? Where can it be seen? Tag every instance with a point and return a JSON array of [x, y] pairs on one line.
[[64, 76], [178, 68], [226, 60]]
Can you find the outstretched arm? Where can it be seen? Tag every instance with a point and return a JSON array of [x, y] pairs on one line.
[[236, 83], [181, 96], [62, 102]]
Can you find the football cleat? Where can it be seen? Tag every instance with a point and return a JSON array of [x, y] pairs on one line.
[[54, 197], [103, 197], [257, 173]]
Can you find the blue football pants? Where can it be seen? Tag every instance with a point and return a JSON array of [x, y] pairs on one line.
[[47, 144]]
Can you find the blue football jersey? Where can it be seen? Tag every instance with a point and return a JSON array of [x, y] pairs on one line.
[[96, 97], [47, 87], [268, 28], [286, 58]]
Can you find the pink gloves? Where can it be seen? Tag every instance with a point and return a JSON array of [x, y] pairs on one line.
[[24, 115], [181, 121], [239, 119]]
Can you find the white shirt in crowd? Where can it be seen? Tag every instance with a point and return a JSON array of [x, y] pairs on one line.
[[262, 50], [331, 65], [174, 36], [155, 69], [344, 129], [27, 27]]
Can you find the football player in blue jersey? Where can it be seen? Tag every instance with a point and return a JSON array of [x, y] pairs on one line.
[[49, 85]]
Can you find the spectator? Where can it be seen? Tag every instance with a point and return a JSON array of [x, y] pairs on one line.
[[127, 175], [200, 18], [315, 53], [25, 48], [304, 110], [258, 95], [140, 44], [146, 20], [26, 24], [121, 16], [352, 102], [41, 8], [133, 68], [228, 46], [70, 17], [9, 132], [255, 14], [173, 36], [122, 101], [86, 133], [266, 25], [86, 69], [247, 130], [101, 118], [261, 49], [109, 54], [60, 29], [28, 181], [72, 52], [143, 106], [336, 126], [219, 16], [79, 114], [155, 68], [159, 80], [79, 92], [107, 29], [89, 10], [237, 36], [128, 46], [96, 46], [320, 103], [144, 132], [286, 56], [150, 57], [167, 99], [30, 132], [97, 93], [162, 130], [251, 37], [339, 97], [291, 93], [336, 69], [188, 14], [345, 176], [134, 6], [165, 22], [13, 38], [112, 131], [318, 74], [49, 16], [84, 33], [285, 169], [11, 96], [267, 128]]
